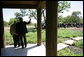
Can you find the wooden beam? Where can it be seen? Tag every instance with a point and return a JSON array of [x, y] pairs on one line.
[[39, 26], [51, 28], [2, 31], [20, 2], [23, 4], [19, 6], [41, 4]]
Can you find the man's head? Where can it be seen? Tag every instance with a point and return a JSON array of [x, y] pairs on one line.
[[20, 19], [15, 21]]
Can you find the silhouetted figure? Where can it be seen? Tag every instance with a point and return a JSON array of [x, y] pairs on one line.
[[14, 34], [22, 30]]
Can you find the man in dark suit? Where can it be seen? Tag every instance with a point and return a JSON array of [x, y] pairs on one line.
[[22, 30]]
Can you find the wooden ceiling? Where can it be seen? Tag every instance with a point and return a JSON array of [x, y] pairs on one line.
[[23, 4]]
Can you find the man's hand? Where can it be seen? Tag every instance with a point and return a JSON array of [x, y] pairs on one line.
[[28, 22]]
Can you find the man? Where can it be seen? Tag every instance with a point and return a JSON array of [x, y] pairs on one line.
[[14, 34], [22, 30]]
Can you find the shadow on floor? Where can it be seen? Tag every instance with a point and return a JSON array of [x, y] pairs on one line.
[[11, 51]]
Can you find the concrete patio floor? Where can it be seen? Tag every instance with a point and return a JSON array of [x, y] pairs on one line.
[[30, 50]]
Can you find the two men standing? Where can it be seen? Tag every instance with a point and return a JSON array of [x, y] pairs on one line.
[[21, 31]]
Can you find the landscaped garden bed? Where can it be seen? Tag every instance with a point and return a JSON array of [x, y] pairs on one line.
[[71, 51]]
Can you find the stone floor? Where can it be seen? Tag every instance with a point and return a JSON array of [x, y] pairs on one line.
[[31, 50]]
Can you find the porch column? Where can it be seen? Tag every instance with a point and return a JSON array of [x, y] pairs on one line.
[[39, 26], [2, 31], [51, 28]]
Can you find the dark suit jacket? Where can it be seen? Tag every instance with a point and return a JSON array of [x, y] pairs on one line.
[[21, 28]]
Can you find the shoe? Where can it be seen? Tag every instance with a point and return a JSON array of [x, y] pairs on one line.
[[22, 47], [18, 45], [25, 46], [14, 46]]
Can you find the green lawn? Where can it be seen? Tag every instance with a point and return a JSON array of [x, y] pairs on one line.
[[78, 44], [61, 40], [31, 36], [66, 33], [68, 52]]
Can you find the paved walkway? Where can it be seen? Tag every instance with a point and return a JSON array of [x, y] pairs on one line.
[[31, 50], [61, 46], [34, 50], [68, 42], [77, 38]]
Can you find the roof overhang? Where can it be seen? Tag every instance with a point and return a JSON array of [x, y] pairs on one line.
[[23, 4]]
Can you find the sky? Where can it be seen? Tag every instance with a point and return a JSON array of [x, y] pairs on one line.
[[75, 6], [9, 13]]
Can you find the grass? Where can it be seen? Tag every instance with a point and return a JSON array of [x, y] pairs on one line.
[[31, 36], [61, 40], [66, 33], [78, 44], [8, 38], [67, 52]]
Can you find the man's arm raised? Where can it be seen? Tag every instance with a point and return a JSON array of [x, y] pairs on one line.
[[28, 22]]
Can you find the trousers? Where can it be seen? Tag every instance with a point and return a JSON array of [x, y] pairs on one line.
[[23, 40], [16, 40]]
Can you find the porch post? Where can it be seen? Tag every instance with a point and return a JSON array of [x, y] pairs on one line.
[[39, 26], [51, 28], [2, 31]]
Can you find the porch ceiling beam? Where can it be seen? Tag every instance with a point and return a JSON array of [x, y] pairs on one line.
[[41, 4], [19, 6]]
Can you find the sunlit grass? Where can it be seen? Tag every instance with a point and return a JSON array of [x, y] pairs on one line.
[[68, 52], [78, 44], [66, 33], [31, 36]]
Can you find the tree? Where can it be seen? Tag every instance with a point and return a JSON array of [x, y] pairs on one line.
[[67, 19], [11, 21], [32, 13], [63, 5], [76, 13], [76, 16], [5, 23], [81, 19], [60, 19], [17, 14], [23, 12]]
